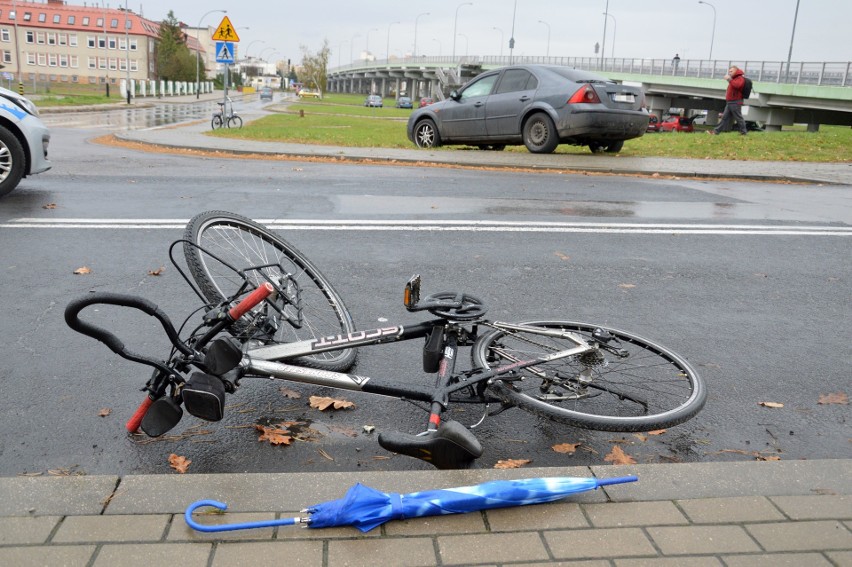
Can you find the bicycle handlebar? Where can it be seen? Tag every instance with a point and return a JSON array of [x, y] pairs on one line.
[[110, 340], [250, 301]]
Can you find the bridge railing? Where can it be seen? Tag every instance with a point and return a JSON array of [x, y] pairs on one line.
[[822, 73]]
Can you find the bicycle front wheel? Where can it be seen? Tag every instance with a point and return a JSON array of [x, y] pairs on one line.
[[642, 388], [235, 122], [308, 307], [216, 122]]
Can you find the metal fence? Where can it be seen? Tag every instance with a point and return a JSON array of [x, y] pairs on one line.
[[833, 74]]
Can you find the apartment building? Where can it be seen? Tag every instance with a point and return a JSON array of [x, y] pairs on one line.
[[90, 44]]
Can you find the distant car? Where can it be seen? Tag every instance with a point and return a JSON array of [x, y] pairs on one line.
[[23, 140], [653, 124], [373, 101], [426, 101], [676, 124], [308, 93], [539, 106], [404, 102], [266, 93]]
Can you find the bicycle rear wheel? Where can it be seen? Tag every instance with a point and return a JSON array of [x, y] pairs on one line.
[[216, 122], [650, 388], [313, 309]]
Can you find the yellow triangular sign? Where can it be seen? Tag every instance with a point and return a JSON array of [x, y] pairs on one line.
[[226, 32]]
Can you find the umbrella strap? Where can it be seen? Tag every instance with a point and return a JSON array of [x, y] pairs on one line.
[[396, 506]]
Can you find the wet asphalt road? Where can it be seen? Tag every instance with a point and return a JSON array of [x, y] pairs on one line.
[[764, 317]]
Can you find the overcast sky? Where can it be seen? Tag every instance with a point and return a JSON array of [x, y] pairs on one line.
[[754, 30]]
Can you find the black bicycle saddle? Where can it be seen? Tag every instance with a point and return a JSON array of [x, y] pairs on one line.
[[452, 446]]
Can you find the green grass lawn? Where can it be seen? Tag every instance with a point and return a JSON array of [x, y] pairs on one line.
[[342, 120]]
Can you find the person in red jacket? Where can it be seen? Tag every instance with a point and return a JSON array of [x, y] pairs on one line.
[[733, 102]]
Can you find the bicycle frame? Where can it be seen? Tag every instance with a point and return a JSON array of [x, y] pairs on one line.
[[263, 361]]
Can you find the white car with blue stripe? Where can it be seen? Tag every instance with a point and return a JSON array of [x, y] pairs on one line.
[[23, 140]]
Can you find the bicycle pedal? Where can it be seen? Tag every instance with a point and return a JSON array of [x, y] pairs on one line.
[[452, 446]]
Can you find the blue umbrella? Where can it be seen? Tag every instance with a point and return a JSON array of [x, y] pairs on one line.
[[366, 508]]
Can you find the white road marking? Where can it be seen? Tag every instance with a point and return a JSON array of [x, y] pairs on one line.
[[450, 226]]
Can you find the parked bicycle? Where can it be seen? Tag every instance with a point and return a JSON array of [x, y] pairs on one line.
[[270, 313], [226, 116]]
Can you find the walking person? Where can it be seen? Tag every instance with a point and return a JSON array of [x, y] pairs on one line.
[[675, 64], [733, 103]]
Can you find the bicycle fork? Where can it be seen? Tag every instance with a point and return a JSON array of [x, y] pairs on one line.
[[446, 369]]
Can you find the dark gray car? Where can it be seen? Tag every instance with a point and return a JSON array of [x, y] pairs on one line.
[[540, 106]]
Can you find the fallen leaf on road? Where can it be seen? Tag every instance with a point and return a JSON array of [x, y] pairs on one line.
[[567, 448], [83, 271], [104, 412], [618, 457], [836, 398], [322, 404], [274, 435], [291, 394], [562, 256], [157, 272], [627, 285], [180, 464], [511, 463], [49, 206], [771, 404]]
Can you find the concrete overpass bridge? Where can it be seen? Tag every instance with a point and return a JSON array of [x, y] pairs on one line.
[[812, 93]]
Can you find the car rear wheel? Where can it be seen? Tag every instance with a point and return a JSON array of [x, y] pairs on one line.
[[12, 161], [426, 134], [540, 136]]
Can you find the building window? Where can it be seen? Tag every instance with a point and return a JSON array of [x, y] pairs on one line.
[[63, 38], [31, 59], [5, 35], [122, 44], [113, 64], [57, 19], [42, 17], [63, 60], [28, 16], [85, 20], [12, 14], [51, 38], [7, 56], [74, 62], [93, 62], [30, 37], [102, 63], [112, 43], [40, 37], [122, 64], [72, 20], [99, 22], [72, 40], [133, 44], [52, 60], [42, 59], [133, 65], [92, 41], [113, 23], [102, 43]]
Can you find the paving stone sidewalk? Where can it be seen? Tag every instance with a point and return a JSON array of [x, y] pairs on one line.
[[714, 514]]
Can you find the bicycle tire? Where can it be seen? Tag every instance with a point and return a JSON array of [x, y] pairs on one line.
[[243, 243], [236, 120], [671, 390], [216, 122]]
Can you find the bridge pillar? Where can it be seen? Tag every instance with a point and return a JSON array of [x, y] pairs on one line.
[[773, 118], [813, 127], [658, 105]]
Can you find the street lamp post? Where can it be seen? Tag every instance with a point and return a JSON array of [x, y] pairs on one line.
[[501, 41], [252, 43], [548, 36], [387, 56], [414, 53], [455, 26], [793, 35], [614, 29], [603, 43], [713, 35], [127, 49], [197, 50]]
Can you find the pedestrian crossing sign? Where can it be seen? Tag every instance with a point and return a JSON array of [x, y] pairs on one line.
[[224, 52], [226, 32]]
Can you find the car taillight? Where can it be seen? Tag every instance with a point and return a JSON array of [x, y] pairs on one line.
[[585, 94]]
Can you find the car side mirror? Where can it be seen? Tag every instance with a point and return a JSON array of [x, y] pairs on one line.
[[454, 94]]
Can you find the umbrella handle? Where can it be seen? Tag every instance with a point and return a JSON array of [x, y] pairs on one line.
[[616, 480], [229, 527]]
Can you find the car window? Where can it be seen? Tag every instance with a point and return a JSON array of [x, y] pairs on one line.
[[516, 80], [480, 87]]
